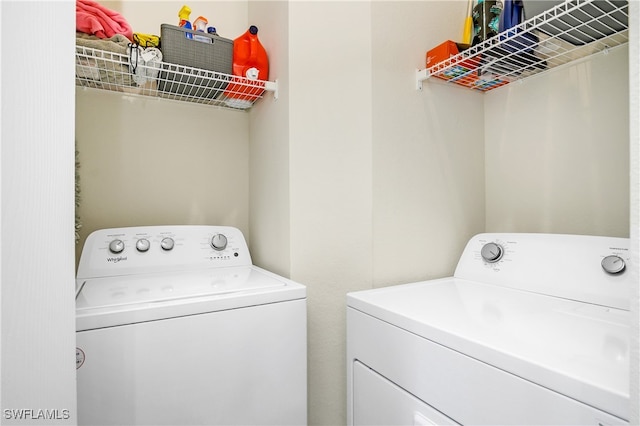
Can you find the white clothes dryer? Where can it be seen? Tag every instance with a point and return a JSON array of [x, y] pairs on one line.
[[176, 326], [532, 329]]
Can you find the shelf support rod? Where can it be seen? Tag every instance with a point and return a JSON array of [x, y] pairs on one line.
[[272, 86], [421, 75]]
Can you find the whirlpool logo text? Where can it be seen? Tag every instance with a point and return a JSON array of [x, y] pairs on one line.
[[116, 259]]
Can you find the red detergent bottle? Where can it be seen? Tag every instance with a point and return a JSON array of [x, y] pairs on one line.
[[250, 62]]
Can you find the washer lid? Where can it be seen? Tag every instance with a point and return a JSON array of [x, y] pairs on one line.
[[107, 302], [577, 349]]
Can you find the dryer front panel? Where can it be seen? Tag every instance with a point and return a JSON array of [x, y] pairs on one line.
[[460, 387]]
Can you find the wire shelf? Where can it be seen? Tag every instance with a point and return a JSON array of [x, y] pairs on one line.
[[567, 32], [111, 71]]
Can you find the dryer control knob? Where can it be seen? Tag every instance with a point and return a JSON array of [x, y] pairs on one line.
[[143, 245], [167, 243], [491, 252], [219, 242], [116, 246], [613, 264]]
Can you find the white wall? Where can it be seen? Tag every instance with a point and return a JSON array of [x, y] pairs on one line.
[[269, 164], [376, 168], [37, 288], [145, 16], [428, 151], [330, 179], [557, 150], [149, 162]]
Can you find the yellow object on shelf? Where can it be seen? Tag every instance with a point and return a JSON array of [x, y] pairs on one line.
[[146, 40], [468, 25], [184, 13]]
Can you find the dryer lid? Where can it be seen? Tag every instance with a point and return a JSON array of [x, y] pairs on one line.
[[578, 349]]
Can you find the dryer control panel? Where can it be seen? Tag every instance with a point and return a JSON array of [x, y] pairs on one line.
[[586, 268], [144, 249]]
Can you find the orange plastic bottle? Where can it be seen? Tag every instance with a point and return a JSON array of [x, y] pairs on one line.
[[250, 62]]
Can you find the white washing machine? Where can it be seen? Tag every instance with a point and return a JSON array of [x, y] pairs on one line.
[[532, 329], [175, 326]]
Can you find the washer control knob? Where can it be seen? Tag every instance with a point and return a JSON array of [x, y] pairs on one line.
[[167, 243], [143, 245], [491, 252], [219, 242], [116, 246], [613, 264]]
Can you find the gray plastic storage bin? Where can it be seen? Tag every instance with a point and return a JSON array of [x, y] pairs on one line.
[[579, 27], [180, 54]]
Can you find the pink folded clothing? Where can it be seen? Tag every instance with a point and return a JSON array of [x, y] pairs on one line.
[[95, 19]]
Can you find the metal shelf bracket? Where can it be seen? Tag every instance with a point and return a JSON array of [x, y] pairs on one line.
[[272, 86], [421, 75]]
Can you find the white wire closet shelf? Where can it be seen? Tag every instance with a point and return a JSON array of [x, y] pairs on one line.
[[111, 71], [571, 30]]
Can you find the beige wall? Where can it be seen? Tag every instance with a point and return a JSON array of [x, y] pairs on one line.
[[145, 16], [557, 150], [428, 151], [151, 162], [330, 158], [269, 164], [373, 168]]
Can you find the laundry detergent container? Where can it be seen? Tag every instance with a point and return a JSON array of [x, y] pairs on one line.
[[250, 65]]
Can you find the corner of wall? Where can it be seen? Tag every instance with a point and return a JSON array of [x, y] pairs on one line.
[[269, 198]]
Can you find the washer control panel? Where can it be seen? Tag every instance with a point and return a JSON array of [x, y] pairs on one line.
[[491, 252], [146, 249], [591, 269], [613, 264]]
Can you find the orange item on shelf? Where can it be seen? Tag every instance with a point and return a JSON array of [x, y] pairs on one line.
[[441, 52], [464, 72], [250, 62]]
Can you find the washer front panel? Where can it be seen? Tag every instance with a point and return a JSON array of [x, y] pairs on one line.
[[233, 367]]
